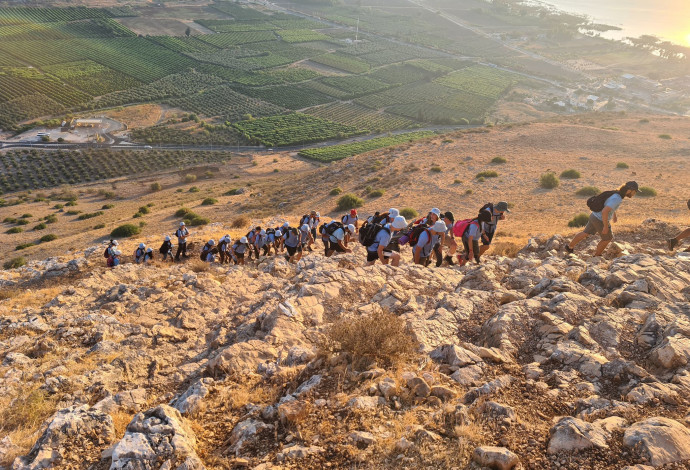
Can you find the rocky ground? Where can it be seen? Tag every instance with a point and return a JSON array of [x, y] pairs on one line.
[[541, 361]]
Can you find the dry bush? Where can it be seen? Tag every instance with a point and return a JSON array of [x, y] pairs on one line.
[[241, 222], [379, 336], [198, 266], [509, 249], [120, 420]]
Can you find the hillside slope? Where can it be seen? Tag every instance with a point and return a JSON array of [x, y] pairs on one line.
[[560, 362]]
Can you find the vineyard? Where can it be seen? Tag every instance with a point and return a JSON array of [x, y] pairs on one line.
[[24, 170], [338, 152], [226, 103], [342, 62], [358, 116], [289, 96], [293, 129], [480, 80], [208, 135]]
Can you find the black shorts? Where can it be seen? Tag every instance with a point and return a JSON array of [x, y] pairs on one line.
[[239, 255], [488, 239], [374, 255], [293, 249], [333, 246]]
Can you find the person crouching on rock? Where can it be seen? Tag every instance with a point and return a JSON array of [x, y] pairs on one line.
[[139, 253], [148, 256], [675, 241], [385, 246], [117, 258], [498, 212], [166, 249], [428, 239], [600, 221], [112, 246], [208, 251], [336, 239], [471, 236]]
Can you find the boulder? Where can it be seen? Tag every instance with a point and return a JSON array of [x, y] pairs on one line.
[[571, 434], [242, 358], [497, 458], [663, 440], [190, 401], [244, 432]]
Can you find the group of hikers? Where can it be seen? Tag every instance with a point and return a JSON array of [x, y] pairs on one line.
[[435, 236]]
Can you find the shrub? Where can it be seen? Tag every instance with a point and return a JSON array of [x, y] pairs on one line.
[[182, 212], [26, 216], [138, 215], [197, 220], [58, 206], [23, 222], [349, 201], [580, 220], [179, 190], [155, 187], [409, 213], [10, 220], [107, 206], [209, 201], [468, 192], [194, 189], [499, 160], [144, 209], [99, 226], [379, 337], [230, 192], [571, 174], [71, 204], [15, 263], [90, 215], [665, 136], [646, 191], [189, 178], [208, 174], [73, 212], [126, 230], [376, 193], [40, 226], [549, 181], [51, 219], [457, 181], [487, 174], [588, 191], [436, 169], [241, 222], [644, 121], [15, 230], [48, 238], [481, 179], [23, 246], [335, 191], [106, 194], [622, 165], [276, 170]]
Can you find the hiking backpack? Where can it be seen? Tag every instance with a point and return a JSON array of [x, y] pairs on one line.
[[304, 220], [368, 233], [378, 218], [416, 232], [106, 254], [164, 248], [270, 231], [332, 227], [461, 226], [598, 202], [487, 207]]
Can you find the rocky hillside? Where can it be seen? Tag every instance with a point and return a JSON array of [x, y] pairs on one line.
[[542, 361]]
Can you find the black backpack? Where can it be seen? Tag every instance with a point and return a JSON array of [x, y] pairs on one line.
[[332, 227], [106, 253], [416, 232], [368, 233], [305, 219], [164, 248], [270, 231], [597, 203], [487, 207], [378, 218]]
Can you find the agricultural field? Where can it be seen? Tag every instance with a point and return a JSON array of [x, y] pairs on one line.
[[413, 93], [24, 170], [293, 129], [289, 96], [351, 114], [339, 152], [480, 80], [301, 35], [189, 135], [225, 103], [342, 62], [356, 85]]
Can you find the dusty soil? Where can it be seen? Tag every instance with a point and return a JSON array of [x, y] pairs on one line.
[[144, 115]]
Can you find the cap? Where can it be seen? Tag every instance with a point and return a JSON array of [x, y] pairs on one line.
[[353, 212], [393, 213], [182, 224], [502, 207], [439, 226], [149, 250], [227, 236], [304, 228], [449, 215], [142, 245], [115, 243], [351, 228], [279, 233], [262, 233], [436, 211], [399, 223], [211, 242], [632, 185], [167, 238], [286, 224], [313, 212], [243, 240], [318, 214]]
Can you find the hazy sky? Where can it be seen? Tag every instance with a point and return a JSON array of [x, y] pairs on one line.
[[667, 18]]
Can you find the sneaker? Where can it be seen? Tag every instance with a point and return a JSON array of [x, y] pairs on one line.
[[569, 250], [672, 243], [449, 260]]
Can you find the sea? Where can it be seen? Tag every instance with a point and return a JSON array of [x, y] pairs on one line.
[[666, 19]]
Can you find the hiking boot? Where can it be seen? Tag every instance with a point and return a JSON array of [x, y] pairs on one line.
[[449, 260], [569, 250], [672, 243]]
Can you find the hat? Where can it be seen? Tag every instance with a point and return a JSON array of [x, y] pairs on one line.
[[304, 228], [286, 224], [399, 222], [211, 242], [393, 213], [182, 224], [167, 238], [449, 215], [318, 214], [351, 228], [632, 185], [436, 211], [439, 226], [279, 233], [149, 250], [142, 245], [115, 243], [353, 212], [243, 240], [313, 212], [262, 233], [502, 207]]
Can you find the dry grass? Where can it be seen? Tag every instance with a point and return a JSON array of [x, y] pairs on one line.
[[506, 248], [120, 420], [23, 298], [241, 222], [378, 337], [198, 266]]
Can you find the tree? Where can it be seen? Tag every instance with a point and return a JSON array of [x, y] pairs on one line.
[[188, 31]]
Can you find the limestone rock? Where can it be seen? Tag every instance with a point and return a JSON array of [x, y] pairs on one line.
[[498, 458], [242, 357], [570, 434], [663, 440]]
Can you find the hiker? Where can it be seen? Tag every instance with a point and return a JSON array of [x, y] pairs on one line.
[[305, 237], [278, 241], [336, 238], [383, 247], [471, 232], [182, 233], [449, 241], [208, 251], [604, 207], [498, 212], [291, 240], [424, 238], [238, 249], [324, 236], [139, 253], [251, 238], [148, 256], [117, 257], [166, 249], [675, 241], [261, 243], [431, 218], [314, 224], [350, 219], [270, 240], [108, 254], [224, 249]]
